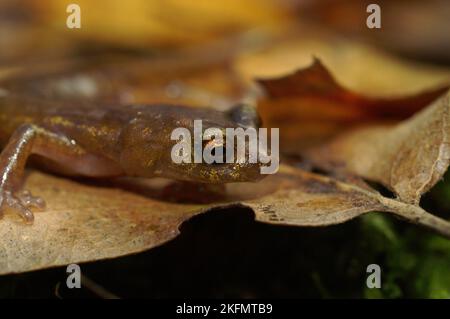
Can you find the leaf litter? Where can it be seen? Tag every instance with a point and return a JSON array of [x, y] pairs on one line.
[[86, 221]]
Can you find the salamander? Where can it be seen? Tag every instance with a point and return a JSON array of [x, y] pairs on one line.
[[103, 140]]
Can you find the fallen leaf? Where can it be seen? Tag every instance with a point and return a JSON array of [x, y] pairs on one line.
[[152, 24], [84, 223], [90, 222], [307, 199], [361, 68], [87, 221], [309, 107], [408, 158]]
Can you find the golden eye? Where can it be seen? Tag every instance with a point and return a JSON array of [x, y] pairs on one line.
[[216, 148]]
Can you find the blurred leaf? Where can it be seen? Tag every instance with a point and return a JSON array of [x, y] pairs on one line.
[[360, 68], [142, 23], [310, 107], [414, 28]]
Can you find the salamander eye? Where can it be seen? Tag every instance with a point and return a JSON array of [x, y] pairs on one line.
[[216, 150]]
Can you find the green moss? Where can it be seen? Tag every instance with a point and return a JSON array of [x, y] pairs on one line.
[[415, 263]]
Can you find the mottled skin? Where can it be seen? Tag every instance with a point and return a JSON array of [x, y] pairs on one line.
[[104, 141]]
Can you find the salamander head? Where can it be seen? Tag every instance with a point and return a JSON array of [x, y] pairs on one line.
[[199, 145], [215, 149]]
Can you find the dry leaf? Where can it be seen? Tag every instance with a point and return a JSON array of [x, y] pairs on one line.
[[307, 199], [360, 68], [309, 107], [85, 222], [409, 158], [142, 23]]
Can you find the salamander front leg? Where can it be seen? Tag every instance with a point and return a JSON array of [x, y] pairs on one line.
[[26, 140]]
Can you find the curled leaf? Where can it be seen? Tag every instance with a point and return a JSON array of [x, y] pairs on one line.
[[310, 107], [409, 158], [361, 68], [308, 199]]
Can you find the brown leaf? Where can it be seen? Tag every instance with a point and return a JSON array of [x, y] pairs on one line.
[[316, 81], [409, 158], [85, 222], [307, 199], [142, 23], [361, 68], [309, 107]]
